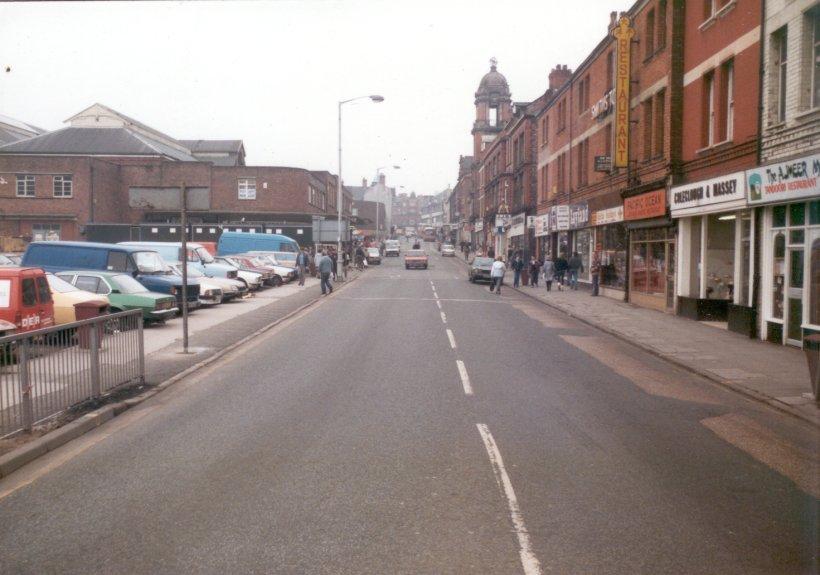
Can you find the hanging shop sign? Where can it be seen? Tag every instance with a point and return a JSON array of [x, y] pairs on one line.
[[578, 215], [478, 226], [559, 218], [604, 106], [608, 216], [643, 206], [785, 181], [517, 225], [716, 194], [603, 163], [542, 225], [530, 222], [623, 34], [501, 220]]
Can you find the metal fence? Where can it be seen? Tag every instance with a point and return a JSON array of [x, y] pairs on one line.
[[46, 371]]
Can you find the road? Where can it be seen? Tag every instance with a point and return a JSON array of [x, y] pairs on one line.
[[415, 423]]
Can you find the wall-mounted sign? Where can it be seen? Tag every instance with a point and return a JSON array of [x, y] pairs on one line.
[[542, 225], [530, 222], [623, 34], [478, 226], [501, 220], [603, 106], [705, 194], [785, 181], [603, 163], [517, 225], [559, 218], [648, 205], [608, 216], [578, 215]]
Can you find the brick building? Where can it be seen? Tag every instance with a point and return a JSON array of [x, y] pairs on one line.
[[106, 171], [407, 211]]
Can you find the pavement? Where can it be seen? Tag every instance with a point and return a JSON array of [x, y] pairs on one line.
[[415, 423], [771, 373]]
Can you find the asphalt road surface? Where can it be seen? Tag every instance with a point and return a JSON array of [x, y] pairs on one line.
[[415, 423]]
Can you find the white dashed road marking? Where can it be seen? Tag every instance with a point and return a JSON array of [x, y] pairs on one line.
[[438, 303], [528, 559], [452, 338], [443, 317], [465, 379]]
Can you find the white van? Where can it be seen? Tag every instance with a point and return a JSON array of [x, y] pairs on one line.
[[391, 248]]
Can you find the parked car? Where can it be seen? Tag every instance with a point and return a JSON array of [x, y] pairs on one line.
[[210, 293], [252, 276], [66, 296], [448, 250], [273, 274], [6, 261], [25, 298], [124, 293], [415, 259], [391, 248], [480, 269], [269, 259], [197, 256], [241, 243], [231, 289], [286, 259], [145, 265], [6, 328], [373, 256]]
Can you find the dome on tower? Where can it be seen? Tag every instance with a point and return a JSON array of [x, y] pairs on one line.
[[493, 82]]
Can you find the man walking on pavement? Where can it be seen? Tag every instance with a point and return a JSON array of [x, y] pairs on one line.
[[549, 272], [497, 275], [560, 269], [325, 269], [301, 266], [316, 259], [535, 268], [576, 266], [517, 266]]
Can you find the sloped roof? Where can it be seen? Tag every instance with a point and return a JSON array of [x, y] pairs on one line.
[[95, 141], [357, 191], [13, 123], [213, 146]]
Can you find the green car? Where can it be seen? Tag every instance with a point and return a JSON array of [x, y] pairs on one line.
[[124, 292]]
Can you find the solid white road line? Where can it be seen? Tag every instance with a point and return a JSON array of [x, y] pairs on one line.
[[452, 338], [465, 379], [528, 559], [443, 317], [438, 303]]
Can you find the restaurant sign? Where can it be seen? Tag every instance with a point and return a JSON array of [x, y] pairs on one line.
[[706, 193], [623, 41], [643, 206], [785, 181]]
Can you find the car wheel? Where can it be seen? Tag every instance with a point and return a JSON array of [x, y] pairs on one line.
[[277, 281], [407, 267], [472, 280]]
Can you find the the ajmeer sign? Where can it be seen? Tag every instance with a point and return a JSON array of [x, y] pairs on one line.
[[785, 181], [623, 38], [703, 196]]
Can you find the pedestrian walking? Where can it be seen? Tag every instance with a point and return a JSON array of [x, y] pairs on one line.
[[549, 272], [335, 259], [576, 266], [497, 275], [535, 268], [595, 271], [316, 259], [301, 265], [346, 261], [517, 266], [561, 267], [325, 269]]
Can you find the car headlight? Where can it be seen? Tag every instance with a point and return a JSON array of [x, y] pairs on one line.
[[208, 293]]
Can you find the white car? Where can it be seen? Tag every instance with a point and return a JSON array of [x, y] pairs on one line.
[[210, 291], [448, 250]]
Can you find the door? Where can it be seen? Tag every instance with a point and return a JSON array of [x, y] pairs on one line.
[[795, 278], [813, 279]]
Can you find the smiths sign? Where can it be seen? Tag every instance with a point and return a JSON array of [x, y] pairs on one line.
[[623, 38]]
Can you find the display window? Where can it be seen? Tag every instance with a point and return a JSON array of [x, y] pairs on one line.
[[652, 266], [582, 244], [613, 243]]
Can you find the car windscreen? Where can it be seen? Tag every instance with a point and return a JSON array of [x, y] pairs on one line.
[[483, 262], [286, 256], [192, 271], [127, 284], [59, 285], [204, 255], [373, 250], [416, 253], [4, 261], [447, 247], [150, 263]]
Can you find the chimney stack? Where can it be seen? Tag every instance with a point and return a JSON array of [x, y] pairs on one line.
[[559, 76], [613, 20]]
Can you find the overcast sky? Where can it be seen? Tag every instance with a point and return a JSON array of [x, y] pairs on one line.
[[271, 73]]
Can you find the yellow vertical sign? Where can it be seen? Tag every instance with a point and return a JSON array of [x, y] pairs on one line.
[[623, 41]]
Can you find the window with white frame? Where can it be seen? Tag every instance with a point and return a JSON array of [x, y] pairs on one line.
[[727, 100], [246, 188], [780, 61], [63, 186], [45, 232], [25, 186]]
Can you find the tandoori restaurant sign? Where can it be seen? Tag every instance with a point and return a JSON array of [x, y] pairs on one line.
[[623, 39], [785, 181], [643, 206]]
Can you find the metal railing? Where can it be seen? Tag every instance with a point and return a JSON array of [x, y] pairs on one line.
[[46, 371]]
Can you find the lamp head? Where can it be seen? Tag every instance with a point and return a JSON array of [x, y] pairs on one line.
[[377, 98]]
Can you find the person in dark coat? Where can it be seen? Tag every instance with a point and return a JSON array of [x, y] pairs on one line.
[[535, 268], [561, 267], [576, 266], [517, 266]]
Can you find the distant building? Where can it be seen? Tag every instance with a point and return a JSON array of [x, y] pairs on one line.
[[12, 130]]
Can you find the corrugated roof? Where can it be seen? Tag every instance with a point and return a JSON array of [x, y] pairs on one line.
[[94, 141]]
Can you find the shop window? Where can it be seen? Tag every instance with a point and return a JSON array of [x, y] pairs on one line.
[[797, 214], [742, 290], [583, 243], [814, 283], [720, 256], [779, 274], [814, 213], [779, 217], [613, 255]]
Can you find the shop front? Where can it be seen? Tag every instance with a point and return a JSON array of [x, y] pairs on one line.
[[516, 232], [498, 241], [788, 193], [478, 237], [543, 240], [651, 251], [611, 242], [715, 243], [559, 227], [581, 239]]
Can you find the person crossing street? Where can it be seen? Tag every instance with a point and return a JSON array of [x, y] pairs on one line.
[[497, 275]]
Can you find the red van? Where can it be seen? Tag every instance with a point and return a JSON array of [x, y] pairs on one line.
[[25, 298]]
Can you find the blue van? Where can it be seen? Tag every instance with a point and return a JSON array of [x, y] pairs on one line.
[[145, 265], [198, 257], [241, 243]]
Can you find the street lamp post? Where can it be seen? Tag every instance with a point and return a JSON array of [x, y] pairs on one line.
[[339, 258]]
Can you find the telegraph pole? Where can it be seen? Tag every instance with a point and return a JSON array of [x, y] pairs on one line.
[[184, 218]]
